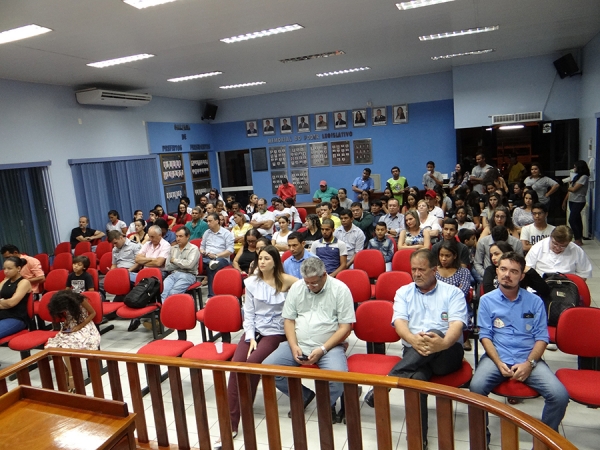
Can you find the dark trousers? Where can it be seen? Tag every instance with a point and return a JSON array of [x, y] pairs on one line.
[[211, 272], [575, 221], [418, 367], [264, 348]]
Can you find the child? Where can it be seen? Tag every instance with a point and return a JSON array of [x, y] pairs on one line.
[[377, 211], [383, 244], [469, 237], [79, 280]]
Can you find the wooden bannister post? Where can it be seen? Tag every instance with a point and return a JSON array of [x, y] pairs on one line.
[[96, 375], [200, 408], [135, 389], [246, 410], [353, 423], [324, 415], [272, 412], [223, 409], [445, 423], [45, 373], [158, 407], [297, 408], [183, 440], [477, 427], [414, 428], [115, 380], [77, 373], [60, 373]]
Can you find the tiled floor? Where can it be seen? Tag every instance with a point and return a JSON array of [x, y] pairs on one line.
[[580, 425]]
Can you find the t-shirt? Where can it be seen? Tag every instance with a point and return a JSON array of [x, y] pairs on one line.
[[581, 193], [80, 283], [429, 182], [265, 217], [76, 232], [117, 226], [479, 172], [531, 234], [515, 171], [325, 196], [329, 252], [540, 186]]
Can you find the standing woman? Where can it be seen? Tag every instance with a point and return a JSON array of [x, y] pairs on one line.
[[576, 197], [13, 297], [523, 216], [251, 207], [458, 178], [541, 184]]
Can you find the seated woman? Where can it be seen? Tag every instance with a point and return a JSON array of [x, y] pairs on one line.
[[501, 216], [280, 237], [336, 209], [280, 211], [515, 199], [247, 252], [313, 230], [463, 219], [239, 230], [290, 204], [413, 236], [182, 217], [365, 200], [411, 203], [494, 200], [140, 236], [251, 207], [14, 290], [160, 213], [523, 215], [115, 222], [428, 220], [138, 214]]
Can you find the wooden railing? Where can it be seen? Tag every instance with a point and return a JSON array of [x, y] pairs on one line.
[[52, 372]]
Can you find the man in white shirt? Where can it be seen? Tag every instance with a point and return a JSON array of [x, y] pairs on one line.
[[559, 254], [478, 172], [432, 177], [263, 219], [540, 229], [351, 235], [438, 212]]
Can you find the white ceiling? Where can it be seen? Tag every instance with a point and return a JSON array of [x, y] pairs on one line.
[[185, 35]]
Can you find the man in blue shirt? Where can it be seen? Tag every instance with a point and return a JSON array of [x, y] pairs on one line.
[[514, 334], [364, 183], [291, 266]]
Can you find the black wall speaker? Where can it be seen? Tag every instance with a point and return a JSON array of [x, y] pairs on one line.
[[566, 66], [210, 112]]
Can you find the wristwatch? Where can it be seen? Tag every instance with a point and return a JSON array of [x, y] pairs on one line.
[[533, 363], [324, 350]]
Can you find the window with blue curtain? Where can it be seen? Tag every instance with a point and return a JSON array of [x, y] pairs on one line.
[[123, 185], [28, 218]]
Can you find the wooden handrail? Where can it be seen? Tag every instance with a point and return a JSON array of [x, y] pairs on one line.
[[511, 419]]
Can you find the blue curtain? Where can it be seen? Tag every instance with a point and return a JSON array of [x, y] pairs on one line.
[[120, 185]]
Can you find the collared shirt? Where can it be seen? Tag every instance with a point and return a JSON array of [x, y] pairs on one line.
[[363, 185], [124, 257], [512, 326], [435, 309], [573, 260], [217, 242], [325, 196], [196, 231], [262, 309], [482, 252], [291, 266], [161, 250], [185, 260], [318, 316], [169, 237], [394, 222], [354, 239], [329, 252], [284, 191], [33, 269], [263, 217], [385, 246]]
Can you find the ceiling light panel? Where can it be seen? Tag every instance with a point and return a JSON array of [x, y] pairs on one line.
[[194, 77], [141, 4], [126, 59], [342, 72], [263, 33], [235, 86], [309, 57], [27, 31], [454, 55], [419, 4], [449, 34]]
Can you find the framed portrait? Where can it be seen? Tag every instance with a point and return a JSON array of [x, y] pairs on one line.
[[251, 130], [379, 116], [260, 163], [199, 165], [171, 166], [303, 124], [340, 119], [359, 117], [173, 194], [321, 122], [200, 188], [285, 125], [400, 113], [268, 127]]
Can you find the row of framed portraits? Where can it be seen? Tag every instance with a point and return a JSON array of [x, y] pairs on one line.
[[171, 166], [324, 121]]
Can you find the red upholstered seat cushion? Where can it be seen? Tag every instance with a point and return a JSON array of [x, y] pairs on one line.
[[6, 339], [372, 364], [196, 285], [512, 388], [31, 340], [110, 307], [126, 312], [455, 379], [582, 385], [208, 350], [165, 347]]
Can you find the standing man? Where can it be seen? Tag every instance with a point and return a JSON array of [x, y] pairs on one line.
[[330, 249], [429, 316], [432, 177], [263, 219], [197, 226], [516, 170], [32, 271], [540, 229], [182, 265], [286, 190], [393, 219], [514, 334], [324, 193], [291, 266], [351, 235], [318, 316], [216, 248], [362, 219], [364, 183], [478, 172], [83, 233], [397, 184]]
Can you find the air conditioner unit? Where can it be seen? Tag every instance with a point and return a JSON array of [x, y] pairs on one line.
[[111, 98], [517, 117]]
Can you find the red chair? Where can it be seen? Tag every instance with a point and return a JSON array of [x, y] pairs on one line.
[[63, 261], [228, 282], [372, 262], [285, 255], [2, 276], [302, 229], [302, 213], [63, 247], [394, 244], [584, 293], [222, 313], [514, 389], [105, 263], [457, 379], [93, 260], [401, 260], [94, 274], [196, 242], [195, 289], [102, 248], [44, 260], [30, 302], [56, 280], [116, 282], [358, 283], [82, 247], [95, 300], [389, 282]]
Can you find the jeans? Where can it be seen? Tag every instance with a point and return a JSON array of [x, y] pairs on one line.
[[211, 272], [177, 283], [575, 221], [488, 376], [10, 326], [335, 359]]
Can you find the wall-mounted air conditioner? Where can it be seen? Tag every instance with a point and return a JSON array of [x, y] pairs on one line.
[[517, 117], [105, 97]]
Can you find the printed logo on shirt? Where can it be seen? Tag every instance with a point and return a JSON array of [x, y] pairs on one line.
[[78, 286], [444, 316], [498, 323]]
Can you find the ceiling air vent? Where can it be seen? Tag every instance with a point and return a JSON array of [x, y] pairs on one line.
[[111, 98], [517, 117]]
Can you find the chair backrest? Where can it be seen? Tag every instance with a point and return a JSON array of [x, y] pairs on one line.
[[44, 260], [56, 280], [102, 248], [394, 243], [302, 229], [582, 287], [178, 312], [2, 275], [373, 322], [105, 263], [358, 283], [148, 272], [94, 299], [401, 260], [63, 247], [285, 255], [371, 261], [302, 213], [94, 274], [117, 282], [196, 242], [578, 332], [63, 261], [43, 307], [82, 247], [222, 313], [228, 282], [93, 259], [388, 283]]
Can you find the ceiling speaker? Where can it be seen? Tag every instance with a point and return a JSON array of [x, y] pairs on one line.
[[566, 66], [210, 112]]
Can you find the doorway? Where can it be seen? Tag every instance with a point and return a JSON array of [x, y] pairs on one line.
[[236, 174]]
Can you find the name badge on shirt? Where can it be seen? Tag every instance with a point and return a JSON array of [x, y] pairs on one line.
[[444, 316], [498, 323]]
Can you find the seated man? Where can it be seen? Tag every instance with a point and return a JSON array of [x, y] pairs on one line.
[[330, 249], [482, 251], [559, 254], [327, 213], [393, 219], [449, 232], [324, 193], [124, 251], [83, 233], [429, 316], [363, 220], [216, 247], [197, 226], [383, 244], [318, 315], [182, 265], [263, 219], [32, 271], [540, 229], [514, 334], [167, 234], [153, 253], [291, 266], [351, 235]]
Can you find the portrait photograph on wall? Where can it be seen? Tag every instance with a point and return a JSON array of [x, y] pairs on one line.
[[340, 119], [171, 166], [303, 124], [321, 122], [268, 127], [359, 117], [251, 130], [400, 113], [173, 194], [379, 116], [285, 125]]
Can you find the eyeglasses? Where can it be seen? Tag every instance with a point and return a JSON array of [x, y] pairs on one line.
[[315, 284], [557, 245], [539, 213]]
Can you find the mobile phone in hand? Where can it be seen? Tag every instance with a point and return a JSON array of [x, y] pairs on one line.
[[303, 357]]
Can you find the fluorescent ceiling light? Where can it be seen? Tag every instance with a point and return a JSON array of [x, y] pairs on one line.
[[309, 57], [263, 33], [489, 129], [234, 86], [431, 37], [16, 34], [193, 77], [141, 4], [126, 59], [341, 72], [511, 127], [419, 3], [454, 55]]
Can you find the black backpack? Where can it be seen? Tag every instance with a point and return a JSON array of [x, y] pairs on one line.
[[564, 294], [143, 293]]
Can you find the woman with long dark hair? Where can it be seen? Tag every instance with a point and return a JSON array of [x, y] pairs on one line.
[[458, 178], [14, 290], [500, 216], [576, 197], [313, 230], [543, 185], [523, 215], [247, 253]]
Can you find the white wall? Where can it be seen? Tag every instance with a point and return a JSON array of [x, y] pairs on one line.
[[590, 95]]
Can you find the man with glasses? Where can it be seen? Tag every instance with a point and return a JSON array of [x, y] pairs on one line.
[[318, 316], [559, 254], [216, 247], [540, 229]]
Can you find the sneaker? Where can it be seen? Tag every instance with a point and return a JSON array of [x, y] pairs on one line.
[[370, 398], [213, 264], [310, 398], [551, 347]]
